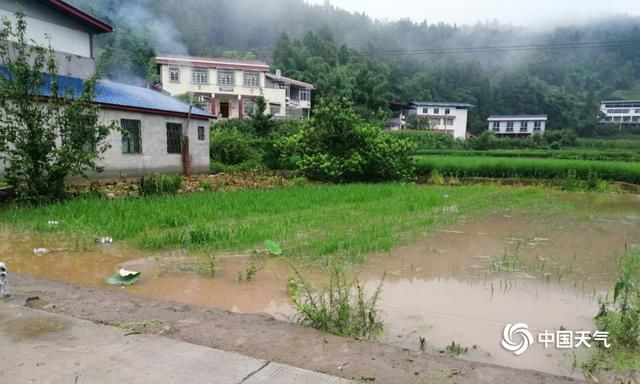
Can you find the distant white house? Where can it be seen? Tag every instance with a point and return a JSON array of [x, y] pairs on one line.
[[517, 125], [622, 112], [442, 116]]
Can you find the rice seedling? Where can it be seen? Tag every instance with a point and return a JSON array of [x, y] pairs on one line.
[[315, 222], [544, 169]]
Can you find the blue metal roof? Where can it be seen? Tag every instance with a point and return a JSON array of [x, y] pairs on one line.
[[114, 94]]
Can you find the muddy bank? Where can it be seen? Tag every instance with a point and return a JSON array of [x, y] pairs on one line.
[[264, 337]]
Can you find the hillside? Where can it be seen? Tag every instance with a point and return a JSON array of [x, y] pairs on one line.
[[373, 62]]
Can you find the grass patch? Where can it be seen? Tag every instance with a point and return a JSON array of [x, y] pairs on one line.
[[318, 222], [567, 154], [498, 167]]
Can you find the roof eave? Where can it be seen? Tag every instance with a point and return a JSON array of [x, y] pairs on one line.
[[98, 26]]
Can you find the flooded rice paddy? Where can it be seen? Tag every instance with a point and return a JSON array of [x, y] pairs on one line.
[[460, 284]]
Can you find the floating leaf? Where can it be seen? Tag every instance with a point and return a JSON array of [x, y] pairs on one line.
[[273, 247], [124, 277]]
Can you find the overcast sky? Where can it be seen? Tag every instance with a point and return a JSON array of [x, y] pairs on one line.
[[517, 12]]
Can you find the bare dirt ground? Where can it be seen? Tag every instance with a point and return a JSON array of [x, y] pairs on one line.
[[263, 337]]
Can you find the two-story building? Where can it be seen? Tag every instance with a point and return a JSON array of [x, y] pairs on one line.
[[154, 122], [228, 87], [442, 116], [622, 112], [517, 125]]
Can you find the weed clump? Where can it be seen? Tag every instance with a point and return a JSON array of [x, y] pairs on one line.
[[342, 308], [159, 185]]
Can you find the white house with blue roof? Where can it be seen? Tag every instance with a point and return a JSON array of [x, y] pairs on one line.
[[154, 121]]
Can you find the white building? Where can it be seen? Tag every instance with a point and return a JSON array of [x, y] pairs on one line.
[[623, 112], [446, 117], [227, 87], [517, 125], [155, 122]]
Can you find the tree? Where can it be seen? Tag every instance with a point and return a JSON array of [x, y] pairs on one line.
[[44, 136], [261, 121]]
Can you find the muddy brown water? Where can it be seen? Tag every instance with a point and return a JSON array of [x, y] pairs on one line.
[[460, 284]]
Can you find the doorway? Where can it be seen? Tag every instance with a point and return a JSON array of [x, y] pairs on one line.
[[224, 109]]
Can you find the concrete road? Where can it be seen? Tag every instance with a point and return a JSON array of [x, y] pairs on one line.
[[39, 347]]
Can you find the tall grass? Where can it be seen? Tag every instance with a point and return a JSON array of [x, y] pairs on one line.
[[311, 221], [496, 167]]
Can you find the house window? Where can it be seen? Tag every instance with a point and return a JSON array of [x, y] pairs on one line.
[[252, 79], [510, 126], [174, 74], [248, 106], [226, 77], [537, 125], [305, 95], [201, 133], [131, 139], [447, 111], [436, 111], [496, 126], [524, 126], [448, 121], [274, 108], [200, 76], [174, 138]]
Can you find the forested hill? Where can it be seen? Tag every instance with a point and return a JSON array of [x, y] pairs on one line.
[[374, 62]]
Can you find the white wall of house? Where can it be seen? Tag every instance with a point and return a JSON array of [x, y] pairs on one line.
[[450, 119], [222, 92], [63, 38], [620, 112], [517, 126], [153, 157]]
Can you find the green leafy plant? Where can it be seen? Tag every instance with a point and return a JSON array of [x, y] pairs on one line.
[[456, 349], [342, 307], [274, 248]]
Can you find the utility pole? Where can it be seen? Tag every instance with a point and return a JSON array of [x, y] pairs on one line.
[[186, 157]]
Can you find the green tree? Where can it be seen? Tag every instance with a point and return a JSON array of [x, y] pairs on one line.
[[261, 121], [43, 140]]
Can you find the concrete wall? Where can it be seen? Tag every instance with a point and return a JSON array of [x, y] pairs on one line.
[[459, 115], [70, 40], [154, 157]]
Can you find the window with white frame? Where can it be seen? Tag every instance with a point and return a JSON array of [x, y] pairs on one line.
[[305, 95], [447, 111], [226, 77], [524, 126], [200, 75], [436, 111], [275, 108], [537, 125], [496, 126], [509, 126], [174, 74], [425, 110], [251, 79], [248, 106]]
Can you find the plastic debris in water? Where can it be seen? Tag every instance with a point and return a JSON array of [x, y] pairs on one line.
[[104, 240], [4, 280], [124, 277], [53, 222], [40, 251]]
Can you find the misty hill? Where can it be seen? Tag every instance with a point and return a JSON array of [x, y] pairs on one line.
[[373, 62]]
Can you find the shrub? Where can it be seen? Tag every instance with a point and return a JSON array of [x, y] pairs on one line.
[[342, 308], [337, 146], [159, 185], [233, 147]]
